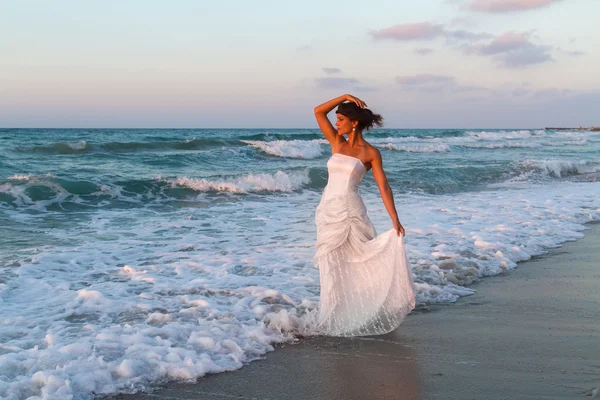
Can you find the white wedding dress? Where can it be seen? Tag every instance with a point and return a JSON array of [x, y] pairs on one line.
[[366, 282]]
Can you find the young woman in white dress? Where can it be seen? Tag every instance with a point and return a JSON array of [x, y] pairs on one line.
[[366, 282]]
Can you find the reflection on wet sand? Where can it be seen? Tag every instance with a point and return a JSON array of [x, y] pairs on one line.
[[378, 367], [318, 368]]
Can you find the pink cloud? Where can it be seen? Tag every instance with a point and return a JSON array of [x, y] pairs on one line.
[[424, 31], [500, 6], [512, 49], [421, 30], [505, 42]]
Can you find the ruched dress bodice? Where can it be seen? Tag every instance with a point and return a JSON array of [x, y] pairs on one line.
[[366, 284]]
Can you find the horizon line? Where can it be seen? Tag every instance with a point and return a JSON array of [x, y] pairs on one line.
[[231, 128]]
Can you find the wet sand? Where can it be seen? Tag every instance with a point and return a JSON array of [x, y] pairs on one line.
[[533, 333]]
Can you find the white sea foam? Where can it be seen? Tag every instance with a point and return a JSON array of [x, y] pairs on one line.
[[22, 199], [556, 168], [458, 239], [502, 145], [480, 140], [412, 144], [522, 134], [417, 147], [520, 139], [116, 307], [18, 177], [79, 145], [277, 182], [290, 148]]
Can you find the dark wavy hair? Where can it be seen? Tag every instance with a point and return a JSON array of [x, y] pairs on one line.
[[366, 118]]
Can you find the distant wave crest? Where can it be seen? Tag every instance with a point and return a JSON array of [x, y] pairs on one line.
[[499, 135], [251, 183], [47, 192], [417, 147], [125, 147], [412, 144], [530, 169], [80, 146], [290, 148]]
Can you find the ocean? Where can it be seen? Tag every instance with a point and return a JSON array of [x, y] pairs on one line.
[[129, 257]]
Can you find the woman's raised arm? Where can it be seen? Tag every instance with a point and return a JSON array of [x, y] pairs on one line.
[[322, 110]]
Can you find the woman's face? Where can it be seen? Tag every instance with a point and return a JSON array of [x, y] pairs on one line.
[[343, 124]]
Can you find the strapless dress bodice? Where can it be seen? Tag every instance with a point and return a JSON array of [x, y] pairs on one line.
[[345, 175]]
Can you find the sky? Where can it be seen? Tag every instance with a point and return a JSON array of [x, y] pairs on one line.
[[267, 64]]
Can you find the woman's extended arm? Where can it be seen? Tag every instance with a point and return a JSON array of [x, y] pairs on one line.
[[322, 110], [386, 191]]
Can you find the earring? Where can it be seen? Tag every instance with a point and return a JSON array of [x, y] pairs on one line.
[[353, 129]]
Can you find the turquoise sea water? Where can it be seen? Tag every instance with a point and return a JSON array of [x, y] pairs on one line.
[[132, 256]]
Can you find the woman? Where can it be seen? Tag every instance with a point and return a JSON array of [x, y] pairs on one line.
[[366, 283]]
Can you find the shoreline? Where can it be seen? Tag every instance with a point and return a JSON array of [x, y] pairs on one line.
[[526, 334]]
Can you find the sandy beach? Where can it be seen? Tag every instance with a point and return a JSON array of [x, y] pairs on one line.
[[533, 333]]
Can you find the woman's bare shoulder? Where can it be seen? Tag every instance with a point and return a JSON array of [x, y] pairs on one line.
[[373, 153]]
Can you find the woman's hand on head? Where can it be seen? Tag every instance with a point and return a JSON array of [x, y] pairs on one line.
[[356, 101], [399, 228]]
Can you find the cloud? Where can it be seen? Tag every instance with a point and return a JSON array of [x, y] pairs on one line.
[[336, 83], [423, 79], [343, 84], [424, 51], [468, 88], [331, 71], [574, 53], [505, 6], [461, 34], [512, 49], [526, 91], [504, 43], [550, 93], [430, 83], [425, 31], [416, 31], [522, 90]]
